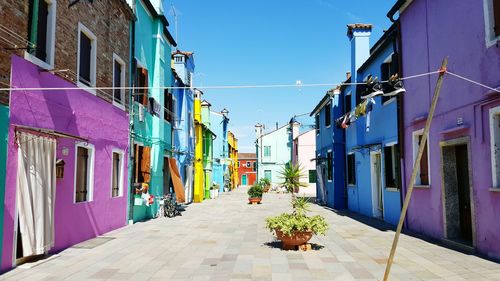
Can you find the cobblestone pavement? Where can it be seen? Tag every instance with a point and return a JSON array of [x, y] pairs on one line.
[[225, 239]]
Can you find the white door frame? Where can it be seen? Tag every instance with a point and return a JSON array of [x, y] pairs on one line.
[[375, 206]]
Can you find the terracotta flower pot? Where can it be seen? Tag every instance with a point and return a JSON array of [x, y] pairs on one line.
[[255, 200], [296, 239]]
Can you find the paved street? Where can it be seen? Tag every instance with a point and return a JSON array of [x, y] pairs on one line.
[[225, 239]]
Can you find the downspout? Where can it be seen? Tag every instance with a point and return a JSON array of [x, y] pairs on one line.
[[132, 72], [400, 107]]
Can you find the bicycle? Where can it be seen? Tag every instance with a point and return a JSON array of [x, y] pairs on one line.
[[170, 206]]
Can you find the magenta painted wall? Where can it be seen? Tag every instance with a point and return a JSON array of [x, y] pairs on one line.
[[432, 30], [78, 113]]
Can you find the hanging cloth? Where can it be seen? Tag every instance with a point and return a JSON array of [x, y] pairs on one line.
[[369, 108], [36, 192]]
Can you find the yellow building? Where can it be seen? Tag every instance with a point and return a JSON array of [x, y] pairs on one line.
[[233, 154], [198, 190]]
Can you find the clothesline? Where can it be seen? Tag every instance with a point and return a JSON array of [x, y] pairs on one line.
[[221, 87]]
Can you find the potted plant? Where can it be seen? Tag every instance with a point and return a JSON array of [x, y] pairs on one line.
[[296, 228], [255, 194], [265, 183]]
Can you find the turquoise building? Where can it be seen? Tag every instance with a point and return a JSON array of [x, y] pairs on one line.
[[152, 113], [4, 131]]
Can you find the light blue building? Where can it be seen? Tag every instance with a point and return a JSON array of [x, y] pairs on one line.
[[183, 131], [219, 126], [372, 143], [274, 150], [330, 151]]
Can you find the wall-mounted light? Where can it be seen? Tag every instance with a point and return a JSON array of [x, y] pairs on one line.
[[60, 168]]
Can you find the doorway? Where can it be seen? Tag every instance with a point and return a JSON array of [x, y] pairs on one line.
[[244, 179], [35, 196], [376, 182], [458, 208]]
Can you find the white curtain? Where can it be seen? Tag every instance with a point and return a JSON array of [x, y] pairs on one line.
[[36, 192]]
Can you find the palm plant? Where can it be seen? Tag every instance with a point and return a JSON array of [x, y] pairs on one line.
[[291, 174]]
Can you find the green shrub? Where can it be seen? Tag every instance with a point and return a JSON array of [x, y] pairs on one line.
[[255, 191], [289, 223], [265, 182]]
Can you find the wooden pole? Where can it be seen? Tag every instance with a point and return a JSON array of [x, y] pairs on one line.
[[415, 167]]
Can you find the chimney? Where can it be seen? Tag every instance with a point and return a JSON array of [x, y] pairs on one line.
[[258, 130], [347, 75], [295, 126], [276, 125], [359, 35]]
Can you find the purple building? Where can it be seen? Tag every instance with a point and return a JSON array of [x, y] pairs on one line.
[[457, 192]]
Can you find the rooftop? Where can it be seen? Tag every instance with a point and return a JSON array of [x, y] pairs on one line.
[[364, 26]]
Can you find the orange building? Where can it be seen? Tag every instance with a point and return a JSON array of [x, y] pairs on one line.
[[247, 168]]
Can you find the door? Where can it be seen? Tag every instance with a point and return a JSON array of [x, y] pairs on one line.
[[35, 195], [244, 179], [457, 201], [464, 204], [377, 196]]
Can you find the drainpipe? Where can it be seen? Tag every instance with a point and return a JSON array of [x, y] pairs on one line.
[[132, 72]]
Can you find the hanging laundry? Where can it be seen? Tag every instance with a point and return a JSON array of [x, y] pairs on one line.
[[346, 122], [373, 88], [394, 86], [154, 107], [369, 107]]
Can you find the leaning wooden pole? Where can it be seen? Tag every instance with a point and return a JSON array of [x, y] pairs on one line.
[[415, 167]]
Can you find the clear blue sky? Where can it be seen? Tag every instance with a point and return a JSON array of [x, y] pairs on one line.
[[270, 42]]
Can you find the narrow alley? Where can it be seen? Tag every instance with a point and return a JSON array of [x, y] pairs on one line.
[[226, 239]]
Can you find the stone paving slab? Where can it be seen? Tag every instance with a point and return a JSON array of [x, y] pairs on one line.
[[225, 239]]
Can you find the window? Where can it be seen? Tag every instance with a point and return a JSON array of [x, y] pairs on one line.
[[495, 145], [391, 165], [118, 81], [328, 112], [348, 103], [84, 172], [267, 151], [316, 118], [312, 176], [329, 166], [248, 164], [423, 169], [387, 69], [87, 47], [142, 164], [268, 174], [142, 80], [41, 33], [117, 174], [254, 166], [351, 169], [168, 104], [492, 21]]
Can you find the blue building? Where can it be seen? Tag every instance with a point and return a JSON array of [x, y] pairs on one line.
[[372, 142], [183, 131], [221, 160], [330, 151]]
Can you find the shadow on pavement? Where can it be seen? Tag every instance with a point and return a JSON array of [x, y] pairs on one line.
[[277, 245]]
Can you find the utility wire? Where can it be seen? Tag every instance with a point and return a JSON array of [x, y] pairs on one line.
[[474, 82]]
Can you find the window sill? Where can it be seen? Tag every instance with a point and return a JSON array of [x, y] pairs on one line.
[[86, 88], [494, 189], [329, 180], [422, 186], [389, 101], [328, 127], [392, 189], [29, 57], [351, 186], [119, 105]]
